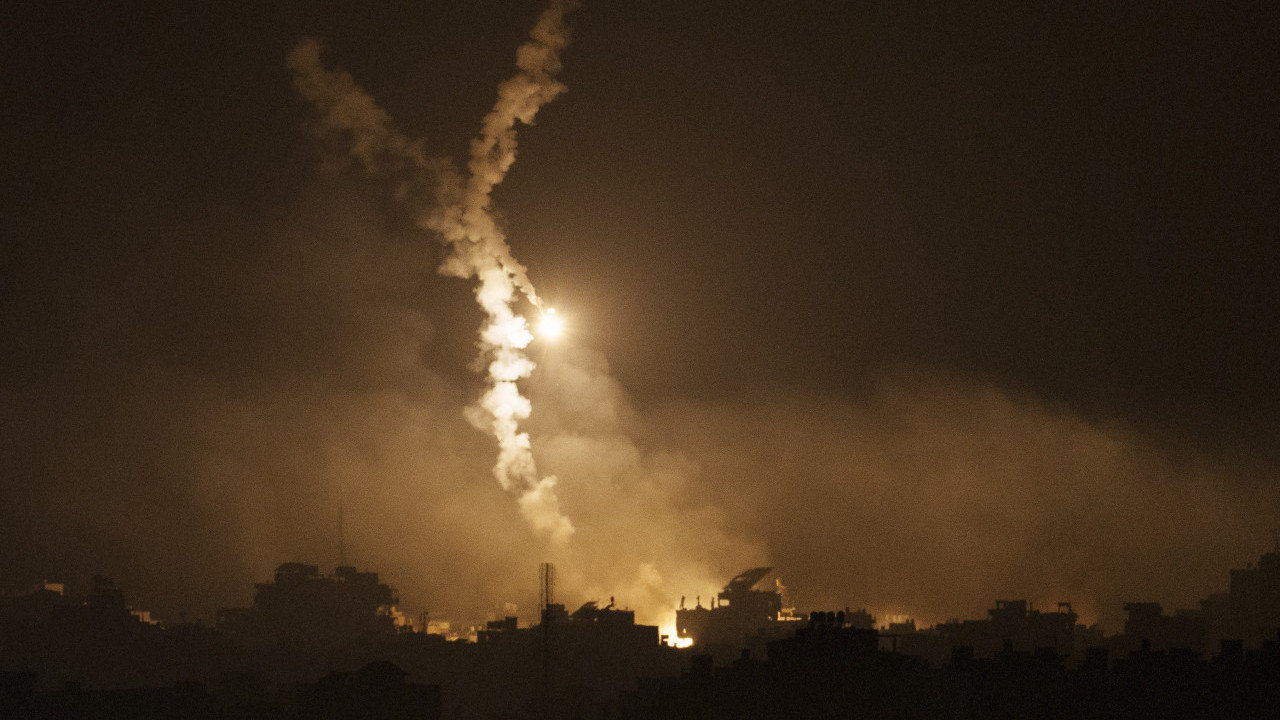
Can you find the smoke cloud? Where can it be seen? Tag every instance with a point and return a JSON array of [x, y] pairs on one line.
[[929, 499], [644, 532], [936, 495], [461, 215], [208, 341]]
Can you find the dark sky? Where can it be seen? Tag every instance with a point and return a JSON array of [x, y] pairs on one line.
[[923, 303]]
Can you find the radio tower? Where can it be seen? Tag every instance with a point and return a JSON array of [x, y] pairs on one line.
[[547, 587], [546, 596]]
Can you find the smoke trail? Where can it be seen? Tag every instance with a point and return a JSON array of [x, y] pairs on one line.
[[460, 212], [478, 244]]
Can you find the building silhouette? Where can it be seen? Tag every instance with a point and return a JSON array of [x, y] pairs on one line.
[[1014, 624], [740, 616], [1253, 600], [827, 670], [301, 604], [1248, 613], [329, 646]]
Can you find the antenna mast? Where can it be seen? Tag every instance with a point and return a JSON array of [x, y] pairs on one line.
[[546, 596], [547, 587]]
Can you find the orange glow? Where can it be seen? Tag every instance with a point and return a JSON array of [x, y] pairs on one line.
[[669, 629]]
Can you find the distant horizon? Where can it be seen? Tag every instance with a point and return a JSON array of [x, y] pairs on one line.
[[529, 617]]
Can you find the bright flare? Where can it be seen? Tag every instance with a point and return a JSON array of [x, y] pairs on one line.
[[550, 326]]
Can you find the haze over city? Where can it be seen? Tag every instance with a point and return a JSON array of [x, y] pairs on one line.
[[920, 305]]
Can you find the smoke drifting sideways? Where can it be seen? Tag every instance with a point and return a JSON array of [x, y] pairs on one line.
[[936, 494], [459, 211]]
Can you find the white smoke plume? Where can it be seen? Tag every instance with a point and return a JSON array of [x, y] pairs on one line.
[[460, 212]]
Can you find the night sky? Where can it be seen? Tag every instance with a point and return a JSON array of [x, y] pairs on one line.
[[924, 304]]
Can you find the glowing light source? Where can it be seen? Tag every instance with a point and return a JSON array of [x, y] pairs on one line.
[[668, 630], [550, 327]]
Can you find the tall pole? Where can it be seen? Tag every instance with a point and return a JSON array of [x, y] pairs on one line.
[[547, 597]]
